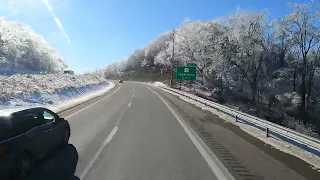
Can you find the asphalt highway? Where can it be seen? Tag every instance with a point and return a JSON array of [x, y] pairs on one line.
[[139, 132], [131, 133]]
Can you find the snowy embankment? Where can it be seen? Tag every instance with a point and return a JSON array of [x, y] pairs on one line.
[[62, 106], [277, 143], [58, 91], [290, 100]]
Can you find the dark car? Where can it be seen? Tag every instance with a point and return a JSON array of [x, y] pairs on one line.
[[120, 81], [28, 136]]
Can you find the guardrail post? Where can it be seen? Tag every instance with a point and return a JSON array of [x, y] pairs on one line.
[[267, 132]]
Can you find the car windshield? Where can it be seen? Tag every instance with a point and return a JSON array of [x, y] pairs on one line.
[[180, 89]]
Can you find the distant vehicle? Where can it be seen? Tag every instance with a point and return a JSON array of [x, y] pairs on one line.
[[120, 81], [29, 135], [68, 72]]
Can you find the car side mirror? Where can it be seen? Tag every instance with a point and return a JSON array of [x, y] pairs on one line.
[[61, 119]]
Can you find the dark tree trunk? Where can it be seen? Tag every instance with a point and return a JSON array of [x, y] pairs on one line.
[[253, 86], [281, 63], [221, 84], [242, 83], [294, 80], [310, 83], [303, 91]]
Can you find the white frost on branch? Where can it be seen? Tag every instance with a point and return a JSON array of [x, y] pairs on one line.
[[22, 50]]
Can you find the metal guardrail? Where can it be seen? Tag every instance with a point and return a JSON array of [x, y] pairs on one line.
[[300, 140]]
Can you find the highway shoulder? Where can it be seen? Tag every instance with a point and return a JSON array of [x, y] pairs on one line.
[[243, 154]]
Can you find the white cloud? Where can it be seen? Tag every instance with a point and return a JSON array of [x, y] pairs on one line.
[[56, 19], [58, 23], [62, 29], [48, 6], [238, 9]]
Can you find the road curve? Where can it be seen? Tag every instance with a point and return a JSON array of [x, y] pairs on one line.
[[132, 134]]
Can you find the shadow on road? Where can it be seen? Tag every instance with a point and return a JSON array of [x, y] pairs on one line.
[[60, 166]]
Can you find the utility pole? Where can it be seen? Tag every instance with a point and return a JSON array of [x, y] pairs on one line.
[[172, 58]]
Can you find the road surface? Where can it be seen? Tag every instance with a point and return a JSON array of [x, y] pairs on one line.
[[137, 132], [132, 134]]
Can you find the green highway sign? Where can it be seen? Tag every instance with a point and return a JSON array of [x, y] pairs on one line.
[[191, 64], [186, 73]]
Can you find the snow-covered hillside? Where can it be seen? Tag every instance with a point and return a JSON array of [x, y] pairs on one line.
[[31, 71], [24, 51], [30, 90]]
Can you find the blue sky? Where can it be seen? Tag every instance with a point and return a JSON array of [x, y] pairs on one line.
[[93, 33]]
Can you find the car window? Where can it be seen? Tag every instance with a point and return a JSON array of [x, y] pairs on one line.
[[48, 116], [19, 123]]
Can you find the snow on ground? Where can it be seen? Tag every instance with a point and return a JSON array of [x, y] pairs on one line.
[[80, 99], [47, 90], [158, 84], [276, 143], [292, 99]]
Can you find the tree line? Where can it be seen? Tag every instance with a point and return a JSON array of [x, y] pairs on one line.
[[271, 64]]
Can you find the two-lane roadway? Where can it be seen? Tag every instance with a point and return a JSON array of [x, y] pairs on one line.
[[131, 133]]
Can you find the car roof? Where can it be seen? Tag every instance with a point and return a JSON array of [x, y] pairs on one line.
[[9, 111]]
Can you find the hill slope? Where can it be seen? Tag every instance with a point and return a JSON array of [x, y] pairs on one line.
[[23, 51]]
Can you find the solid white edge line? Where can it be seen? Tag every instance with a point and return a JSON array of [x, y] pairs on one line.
[[92, 103], [218, 169], [104, 144]]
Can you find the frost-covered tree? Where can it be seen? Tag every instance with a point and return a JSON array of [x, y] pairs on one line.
[[197, 42], [22, 50], [152, 50], [281, 39], [244, 47], [134, 61], [304, 28], [115, 69]]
